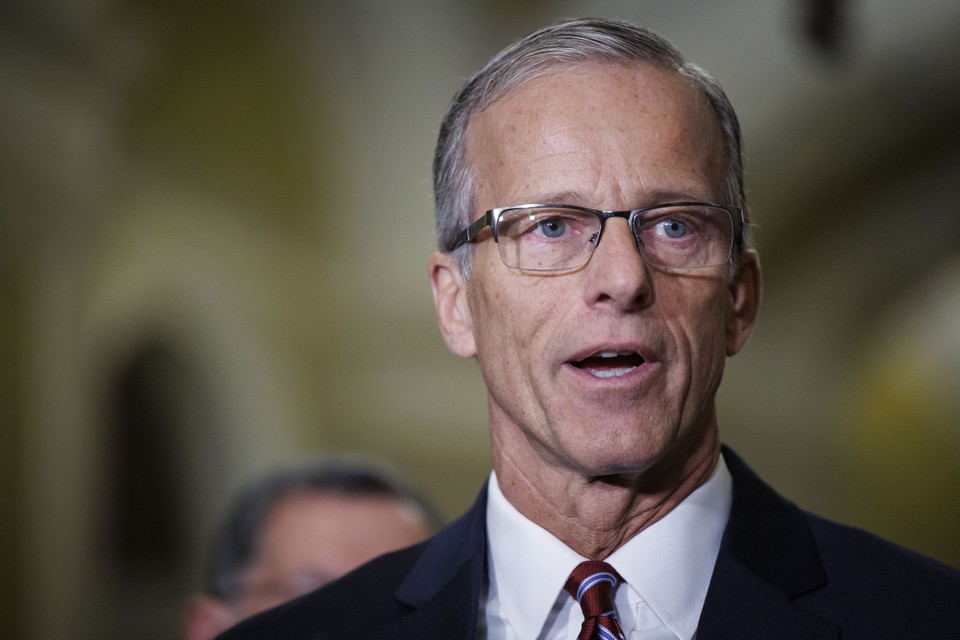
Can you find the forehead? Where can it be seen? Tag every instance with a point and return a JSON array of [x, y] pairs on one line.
[[603, 128], [316, 523]]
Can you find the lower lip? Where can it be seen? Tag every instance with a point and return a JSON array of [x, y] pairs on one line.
[[624, 375]]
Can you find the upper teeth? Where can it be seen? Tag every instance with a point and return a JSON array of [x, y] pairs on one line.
[[608, 354]]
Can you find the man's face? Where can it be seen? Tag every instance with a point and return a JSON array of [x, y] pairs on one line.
[[611, 368], [310, 539]]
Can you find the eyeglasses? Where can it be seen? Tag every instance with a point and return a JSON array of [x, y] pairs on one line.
[[550, 238]]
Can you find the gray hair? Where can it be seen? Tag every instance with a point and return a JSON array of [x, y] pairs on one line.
[[237, 545], [545, 50]]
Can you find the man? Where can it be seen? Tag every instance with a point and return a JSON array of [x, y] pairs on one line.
[[595, 260], [296, 530]]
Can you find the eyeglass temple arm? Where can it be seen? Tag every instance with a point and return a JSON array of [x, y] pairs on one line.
[[470, 233]]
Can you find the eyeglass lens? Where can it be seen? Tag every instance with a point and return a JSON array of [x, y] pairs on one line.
[[558, 239]]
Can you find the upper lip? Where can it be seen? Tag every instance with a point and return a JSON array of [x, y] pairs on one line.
[[608, 349]]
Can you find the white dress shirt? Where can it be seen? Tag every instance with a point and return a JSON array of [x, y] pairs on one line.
[[666, 570]]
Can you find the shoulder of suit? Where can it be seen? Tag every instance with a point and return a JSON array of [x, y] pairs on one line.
[[870, 559], [337, 610]]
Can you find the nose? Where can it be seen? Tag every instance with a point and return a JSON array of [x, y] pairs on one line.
[[617, 275]]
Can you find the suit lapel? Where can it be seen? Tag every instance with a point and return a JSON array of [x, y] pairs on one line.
[[443, 588], [742, 605], [768, 558], [450, 615]]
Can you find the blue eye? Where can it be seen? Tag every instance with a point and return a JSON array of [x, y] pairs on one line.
[[552, 227], [673, 228]]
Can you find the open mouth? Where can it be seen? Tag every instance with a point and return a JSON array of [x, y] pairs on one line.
[[610, 364]]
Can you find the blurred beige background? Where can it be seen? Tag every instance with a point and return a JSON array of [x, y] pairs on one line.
[[214, 222]]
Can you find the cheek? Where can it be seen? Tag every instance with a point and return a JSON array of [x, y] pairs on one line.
[[709, 342], [514, 319], [500, 336], [697, 318]]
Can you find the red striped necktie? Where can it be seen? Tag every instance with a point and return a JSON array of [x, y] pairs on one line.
[[592, 584]]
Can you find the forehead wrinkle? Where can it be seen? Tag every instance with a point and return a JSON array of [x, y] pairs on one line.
[[571, 150], [630, 187]]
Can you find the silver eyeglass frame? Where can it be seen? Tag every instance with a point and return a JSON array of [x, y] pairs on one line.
[[491, 218]]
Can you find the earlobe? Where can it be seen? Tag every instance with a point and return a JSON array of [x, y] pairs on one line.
[[450, 299], [744, 302]]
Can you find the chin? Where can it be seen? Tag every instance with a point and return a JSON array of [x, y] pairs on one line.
[[633, 456], [604, 465]]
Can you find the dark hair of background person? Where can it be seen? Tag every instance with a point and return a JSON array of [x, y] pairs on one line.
[[236, 545]]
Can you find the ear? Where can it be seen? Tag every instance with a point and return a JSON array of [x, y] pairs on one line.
[[450, 299], [744, 302], [205, 617]]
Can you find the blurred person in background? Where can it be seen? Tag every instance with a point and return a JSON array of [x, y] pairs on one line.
[[299, 529]]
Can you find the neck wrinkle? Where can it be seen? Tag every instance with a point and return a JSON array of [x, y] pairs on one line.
[[596, 516]]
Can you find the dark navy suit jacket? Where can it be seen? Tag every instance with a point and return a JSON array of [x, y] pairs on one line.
[[781, 574]]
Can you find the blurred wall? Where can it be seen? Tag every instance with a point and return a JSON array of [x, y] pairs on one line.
[[214, 222]]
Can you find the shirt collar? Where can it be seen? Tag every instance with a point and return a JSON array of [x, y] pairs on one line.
[[528, 565], [669, 563]]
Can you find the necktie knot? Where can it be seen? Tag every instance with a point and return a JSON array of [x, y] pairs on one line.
[[591, 584]]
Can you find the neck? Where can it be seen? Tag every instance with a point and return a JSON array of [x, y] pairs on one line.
[[596, 515]]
